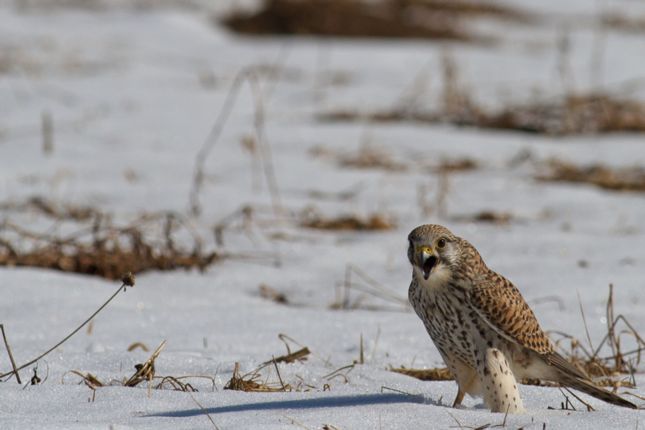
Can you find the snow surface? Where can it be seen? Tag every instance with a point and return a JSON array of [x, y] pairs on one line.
[[137, 91]]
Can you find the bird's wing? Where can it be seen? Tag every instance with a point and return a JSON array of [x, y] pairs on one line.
[[499, 303]]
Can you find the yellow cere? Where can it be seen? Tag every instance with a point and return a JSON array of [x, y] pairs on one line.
[[426, 250]]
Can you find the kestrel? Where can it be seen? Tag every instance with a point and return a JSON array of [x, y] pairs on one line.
[[481, 325]]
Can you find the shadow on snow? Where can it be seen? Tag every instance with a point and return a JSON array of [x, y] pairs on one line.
[[319, 402]]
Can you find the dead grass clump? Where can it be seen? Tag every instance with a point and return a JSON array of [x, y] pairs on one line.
[[621, 22], [456, 165], [487, 216], [619, 179], [570, 115], [428, 19], [371, 158], [374, 222], [251, 382], [434, 374], [398, 114], [97, 245], [145, 371], [573, 114]]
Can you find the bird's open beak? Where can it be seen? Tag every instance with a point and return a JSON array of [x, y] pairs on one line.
[[427, 260]]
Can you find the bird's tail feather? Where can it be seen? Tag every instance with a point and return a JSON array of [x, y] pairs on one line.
[[590, 388]]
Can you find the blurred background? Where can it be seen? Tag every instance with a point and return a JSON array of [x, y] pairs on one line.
[[259, 164]]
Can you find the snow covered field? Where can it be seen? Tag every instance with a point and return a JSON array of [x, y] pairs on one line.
[[133, 95]]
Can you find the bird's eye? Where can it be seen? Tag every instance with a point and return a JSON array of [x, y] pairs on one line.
[[441, 243]]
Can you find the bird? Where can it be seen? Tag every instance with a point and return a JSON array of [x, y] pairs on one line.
[[484, 330]]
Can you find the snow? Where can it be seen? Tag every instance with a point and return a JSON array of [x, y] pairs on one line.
[[138, 91]]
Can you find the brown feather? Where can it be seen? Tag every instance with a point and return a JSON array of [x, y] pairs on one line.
[[502, 306]]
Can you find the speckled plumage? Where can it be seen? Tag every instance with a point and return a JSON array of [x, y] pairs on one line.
[[481, 325]]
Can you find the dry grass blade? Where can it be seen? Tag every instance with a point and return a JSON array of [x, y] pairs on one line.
[[13, 362], [145, 371], [250, 76], [341, 372], [299, 355], [88, 379], [434, 374], [587, 405], [136, 345], [606, 370], [175, 383], [205, 411], [369, 286]]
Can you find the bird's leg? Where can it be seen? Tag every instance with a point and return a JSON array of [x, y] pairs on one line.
[[459, 398], [467, 382], [500, 387]]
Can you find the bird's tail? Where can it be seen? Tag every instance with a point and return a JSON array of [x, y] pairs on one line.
[[593, 390]]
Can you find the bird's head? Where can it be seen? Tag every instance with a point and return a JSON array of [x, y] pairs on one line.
[[434, 252]]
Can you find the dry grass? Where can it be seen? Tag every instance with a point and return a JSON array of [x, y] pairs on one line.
[[99, 246], [434, 374], [618, 179], [605, 369], [622, 22], [251, 382], [456, 165], [375, 222], [569, 115], [486, 216], [425, 19], [144, 372], [370, 158]]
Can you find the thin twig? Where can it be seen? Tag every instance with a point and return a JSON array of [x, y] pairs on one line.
[[246, 75], [584, 320], [13, 362], [589, 407], [203, 410], [76, 330]]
